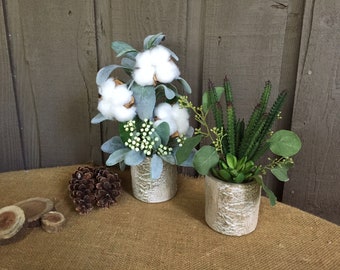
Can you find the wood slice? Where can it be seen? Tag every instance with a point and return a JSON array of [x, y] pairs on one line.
[[34, 208], [53, 221], [12, 224]]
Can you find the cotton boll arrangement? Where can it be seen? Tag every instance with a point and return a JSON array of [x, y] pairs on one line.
[[153, 65], [115, 100], [176, 117], [151, 122]]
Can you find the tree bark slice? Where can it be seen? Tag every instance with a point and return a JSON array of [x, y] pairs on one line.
[[34, 208], [53, 221], [12, 224]]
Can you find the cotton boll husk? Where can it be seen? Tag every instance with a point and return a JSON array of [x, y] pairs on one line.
[[163, 110], [159, 55], [171, 122], [107, 88], [144, 76], [123, 114], [105, 107], [167, 72], [122, 95], [181, 117]]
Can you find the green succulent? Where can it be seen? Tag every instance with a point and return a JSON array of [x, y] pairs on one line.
[[237, 146]]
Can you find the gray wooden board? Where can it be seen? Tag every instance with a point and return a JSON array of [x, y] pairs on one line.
[[54, 52], [11, 157], [315, 185]]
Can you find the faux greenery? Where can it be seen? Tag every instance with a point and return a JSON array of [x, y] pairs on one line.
[[151, 122], [235, 146]]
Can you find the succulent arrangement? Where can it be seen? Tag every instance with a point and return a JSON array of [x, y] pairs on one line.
[[151, 122], [236, 147]]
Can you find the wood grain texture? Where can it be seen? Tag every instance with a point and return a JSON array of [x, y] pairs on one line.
[[54, 52], [245, 40], [315, 185], [10, 144]]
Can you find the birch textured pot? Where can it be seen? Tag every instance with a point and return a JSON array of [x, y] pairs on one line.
[[150, 190], [231, 209]]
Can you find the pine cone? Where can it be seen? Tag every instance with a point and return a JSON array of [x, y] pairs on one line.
[[82, 189], [90, 187], [107, 188]]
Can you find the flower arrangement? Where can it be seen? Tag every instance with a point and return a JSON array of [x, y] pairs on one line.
[[151, 122], [235, 148]]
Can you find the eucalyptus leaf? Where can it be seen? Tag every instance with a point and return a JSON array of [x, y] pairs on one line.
[[122, 48], [156, 167], [117, 156], [163, 131], [104, 73], [205, 159], [183, 152], [269, 193], [145, 100], [98, 119], [189, 161], [284, 143], [281, 173], [112, 145], [134, 158]]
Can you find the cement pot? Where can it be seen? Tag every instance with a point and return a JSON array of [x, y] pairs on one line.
[[150, 190], [231, 209]]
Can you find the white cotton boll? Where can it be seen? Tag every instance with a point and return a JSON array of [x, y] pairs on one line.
[[107, 88], [159, 55], [122, 95], [171, 122], [123, 114], [143, 59], [181, 117], [106, 109], [144, 76], [163, 110], [167, 72]]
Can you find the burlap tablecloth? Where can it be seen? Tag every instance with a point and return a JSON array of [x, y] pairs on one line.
[[170, 235]]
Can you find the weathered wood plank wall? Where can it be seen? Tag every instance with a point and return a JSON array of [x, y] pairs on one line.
[[51, 51], [316, 117]]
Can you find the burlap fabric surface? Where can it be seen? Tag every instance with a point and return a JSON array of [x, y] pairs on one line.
[[170, 235]]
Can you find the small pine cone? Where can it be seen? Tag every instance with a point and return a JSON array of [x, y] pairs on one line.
[[82, 188], [107, 188]]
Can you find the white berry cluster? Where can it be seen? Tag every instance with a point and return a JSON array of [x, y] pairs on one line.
[[143, 139]]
